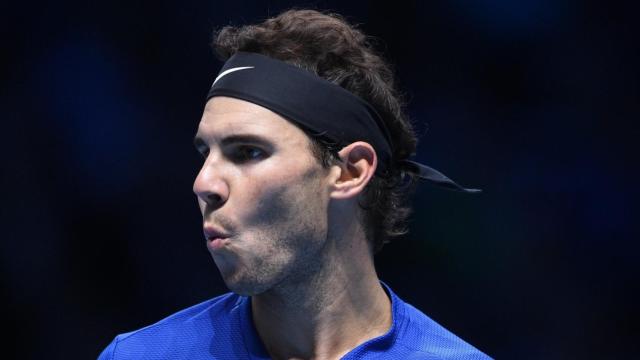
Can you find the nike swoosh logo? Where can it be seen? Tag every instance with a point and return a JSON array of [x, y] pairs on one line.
[[228, 71]]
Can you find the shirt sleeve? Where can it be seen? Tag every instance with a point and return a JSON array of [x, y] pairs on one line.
[[109, 352]]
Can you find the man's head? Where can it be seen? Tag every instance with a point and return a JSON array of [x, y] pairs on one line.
[[326, 45], [271, 210], [282, 198]]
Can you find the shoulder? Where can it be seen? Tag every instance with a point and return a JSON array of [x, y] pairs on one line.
[[421, 335], [190, 329]]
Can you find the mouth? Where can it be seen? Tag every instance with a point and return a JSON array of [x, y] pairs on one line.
[[216, 238]]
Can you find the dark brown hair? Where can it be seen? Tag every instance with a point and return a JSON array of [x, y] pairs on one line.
[[328, 46]]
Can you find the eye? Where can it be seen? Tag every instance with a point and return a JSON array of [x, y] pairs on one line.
[[204, 152], [245, 153]]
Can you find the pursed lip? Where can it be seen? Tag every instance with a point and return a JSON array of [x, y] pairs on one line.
[[211, 233], [217, 239]]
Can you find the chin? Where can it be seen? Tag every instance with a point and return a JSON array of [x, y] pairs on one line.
[[246, 288], [244, 285]]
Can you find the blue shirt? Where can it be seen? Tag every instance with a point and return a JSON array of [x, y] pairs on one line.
[[222, 328]]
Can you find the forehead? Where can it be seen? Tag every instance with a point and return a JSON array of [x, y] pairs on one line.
[[224, 116]]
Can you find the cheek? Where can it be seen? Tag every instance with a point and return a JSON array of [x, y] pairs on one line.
[[283, 204], [265, 192], [269, 204]]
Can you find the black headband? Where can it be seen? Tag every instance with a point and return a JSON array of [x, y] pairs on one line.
[[317, 105]]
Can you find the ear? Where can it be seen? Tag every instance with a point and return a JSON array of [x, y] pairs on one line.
[[359, 162]]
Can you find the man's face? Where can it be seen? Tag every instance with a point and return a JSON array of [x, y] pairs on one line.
[[261, 186]]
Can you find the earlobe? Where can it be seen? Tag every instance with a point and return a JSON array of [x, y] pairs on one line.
[[359, 162]]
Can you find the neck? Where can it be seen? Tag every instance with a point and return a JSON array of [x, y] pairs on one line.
[[325, 315]]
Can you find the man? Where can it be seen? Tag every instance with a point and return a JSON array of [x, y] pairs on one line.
[[305, 153]]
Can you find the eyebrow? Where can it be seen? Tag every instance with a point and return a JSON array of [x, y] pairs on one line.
[[198, 142]]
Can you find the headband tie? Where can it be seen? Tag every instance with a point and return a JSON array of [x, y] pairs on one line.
[[315, 104]]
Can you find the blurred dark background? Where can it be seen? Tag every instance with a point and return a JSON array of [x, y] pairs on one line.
[[536, 102]]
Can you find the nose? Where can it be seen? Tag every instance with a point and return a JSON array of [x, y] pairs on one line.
[[211, 187]]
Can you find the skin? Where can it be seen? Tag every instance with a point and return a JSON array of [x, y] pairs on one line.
[[295, 245]]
